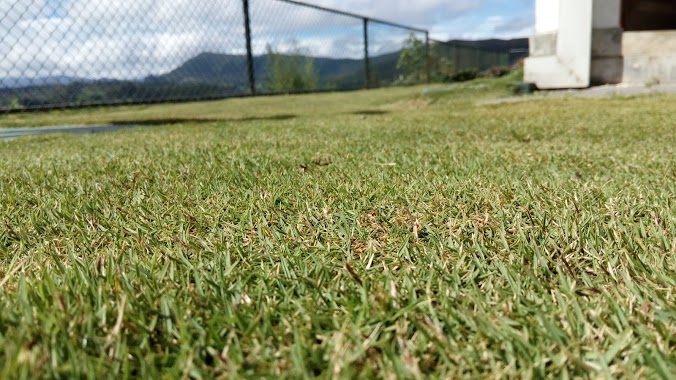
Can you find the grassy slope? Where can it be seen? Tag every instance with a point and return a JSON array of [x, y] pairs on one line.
[[368, 233]]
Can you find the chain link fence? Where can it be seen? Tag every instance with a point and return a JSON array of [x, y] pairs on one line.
[[78, 53], [466, 57]]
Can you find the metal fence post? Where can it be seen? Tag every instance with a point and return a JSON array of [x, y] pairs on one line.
[[367, 63], [249, 54], [457, 58], [428, 57]]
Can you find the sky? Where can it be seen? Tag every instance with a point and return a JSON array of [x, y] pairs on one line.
[[126, 39], [449, 19]]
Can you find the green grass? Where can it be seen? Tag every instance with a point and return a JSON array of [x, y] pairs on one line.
[[371, 234]]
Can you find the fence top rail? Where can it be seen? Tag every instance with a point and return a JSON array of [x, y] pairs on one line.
[[354, 15]]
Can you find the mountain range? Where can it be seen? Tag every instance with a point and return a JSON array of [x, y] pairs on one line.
[[342, 73], [493, 44], [216, 76], [13, 82], [231, 69]]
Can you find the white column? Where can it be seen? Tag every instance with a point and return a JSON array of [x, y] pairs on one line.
[[546, 16], [561, 48]]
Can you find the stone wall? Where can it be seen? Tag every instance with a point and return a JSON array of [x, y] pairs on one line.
[[649, 56]]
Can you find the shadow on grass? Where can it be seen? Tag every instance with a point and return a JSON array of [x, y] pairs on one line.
[[197, 120], [369, 112], [12, 133]]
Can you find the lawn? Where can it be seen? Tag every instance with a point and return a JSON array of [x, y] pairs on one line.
[[388, 233]]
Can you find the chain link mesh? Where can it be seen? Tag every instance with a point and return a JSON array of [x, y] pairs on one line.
[[466, 57], [89, 52], [74, 53], [300, 48], [385, 43]]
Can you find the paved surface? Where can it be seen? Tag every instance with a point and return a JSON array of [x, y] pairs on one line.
[[592, 92], [12, 133], [619, 90]]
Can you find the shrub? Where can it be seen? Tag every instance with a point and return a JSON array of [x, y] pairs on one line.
[[497, 71], [290, 73], [465, 75]]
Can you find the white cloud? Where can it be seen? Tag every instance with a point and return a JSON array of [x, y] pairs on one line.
[[419, 13], [457, 19]]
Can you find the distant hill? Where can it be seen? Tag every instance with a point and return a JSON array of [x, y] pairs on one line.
[[231, 69], [494, 44], [338, 73], [517, 48], [41, 81], [215, 75], [207, 67]]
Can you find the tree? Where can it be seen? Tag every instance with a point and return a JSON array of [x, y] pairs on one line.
[[412, 60], [290, 73], [417, 61], [15, 104]]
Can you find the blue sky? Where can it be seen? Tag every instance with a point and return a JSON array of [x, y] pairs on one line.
[[447, 19]]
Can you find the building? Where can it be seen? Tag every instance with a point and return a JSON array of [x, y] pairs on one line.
[[580, 43]]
